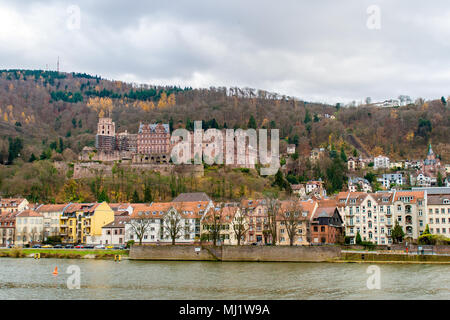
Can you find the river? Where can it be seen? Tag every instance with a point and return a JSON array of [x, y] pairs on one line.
[[104, 279]]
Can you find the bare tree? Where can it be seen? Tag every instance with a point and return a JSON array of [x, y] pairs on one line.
[[273, 208], [213, 223], [172, 222], [139, 226], [290, 216], [240, 225]]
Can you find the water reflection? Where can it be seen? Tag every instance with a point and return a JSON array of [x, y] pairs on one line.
[[100, 279]]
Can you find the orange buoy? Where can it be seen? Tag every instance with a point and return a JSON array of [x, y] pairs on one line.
[[55, 272]]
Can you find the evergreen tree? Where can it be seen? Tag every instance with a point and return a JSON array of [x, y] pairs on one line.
[[316, 118], [440, 181], [103, 196], [32, 158], [251, 123], [189, 125], [136, 197], [427, 230], [273, 124], [343, 155], [14, 149], [336, 176], [397, 233], [61, 145], [280, 181], [147, 194], [307, 117], [358, 239], [46, 154]]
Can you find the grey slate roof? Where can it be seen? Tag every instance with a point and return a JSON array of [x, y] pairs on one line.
[[192, 197]]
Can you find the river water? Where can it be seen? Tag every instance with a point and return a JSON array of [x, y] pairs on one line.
[[101, 279]]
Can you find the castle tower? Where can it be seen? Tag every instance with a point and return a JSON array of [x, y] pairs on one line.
[[106, 134], [106, 127]]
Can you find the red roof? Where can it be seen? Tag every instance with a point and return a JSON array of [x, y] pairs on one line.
[[29, 213]]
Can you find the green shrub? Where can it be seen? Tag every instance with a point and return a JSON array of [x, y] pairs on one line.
[[368, 245]]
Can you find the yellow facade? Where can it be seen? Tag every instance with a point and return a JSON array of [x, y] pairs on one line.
[[82, 221]]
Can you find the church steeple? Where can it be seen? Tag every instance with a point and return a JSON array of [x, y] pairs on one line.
[[430, 150]]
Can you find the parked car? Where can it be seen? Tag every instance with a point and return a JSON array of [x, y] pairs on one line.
[[47, 246], [120, 247], [57, 246], [109, 247], [80, 246], [99, 246], [69, 246], [89, 246], [37, 246]]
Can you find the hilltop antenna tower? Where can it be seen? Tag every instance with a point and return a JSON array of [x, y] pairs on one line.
[[57, 65]]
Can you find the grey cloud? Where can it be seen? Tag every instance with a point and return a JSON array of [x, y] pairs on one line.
[[319, 50]]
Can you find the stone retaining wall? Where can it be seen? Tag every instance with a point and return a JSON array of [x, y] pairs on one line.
[[236, 253]]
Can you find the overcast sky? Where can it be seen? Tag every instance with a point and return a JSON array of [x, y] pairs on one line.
[[315, 50]]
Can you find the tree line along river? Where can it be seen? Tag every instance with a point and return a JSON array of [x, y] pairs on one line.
[[102, 279]]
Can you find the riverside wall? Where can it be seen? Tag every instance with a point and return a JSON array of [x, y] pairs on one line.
[[236, 253]]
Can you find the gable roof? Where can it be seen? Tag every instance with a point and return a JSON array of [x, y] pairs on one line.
[[119, 222], [29, 213], [52, 207], [11, 202], [415, 194], [192, 196], [85, 207]]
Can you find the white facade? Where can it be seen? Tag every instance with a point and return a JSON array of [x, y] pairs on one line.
[[391, 178], [381, 162], [374, 215], [51, 217], [160, 214], [112, 236], [29, 228], [438, 217], [290, 149], [152, 234]]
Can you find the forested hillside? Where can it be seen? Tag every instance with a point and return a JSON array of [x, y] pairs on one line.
[[45, 107], [45, 115]]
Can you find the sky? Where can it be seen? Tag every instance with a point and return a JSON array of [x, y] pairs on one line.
[[323, 51]]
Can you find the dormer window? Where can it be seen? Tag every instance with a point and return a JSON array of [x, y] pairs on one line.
[[446, 201]]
